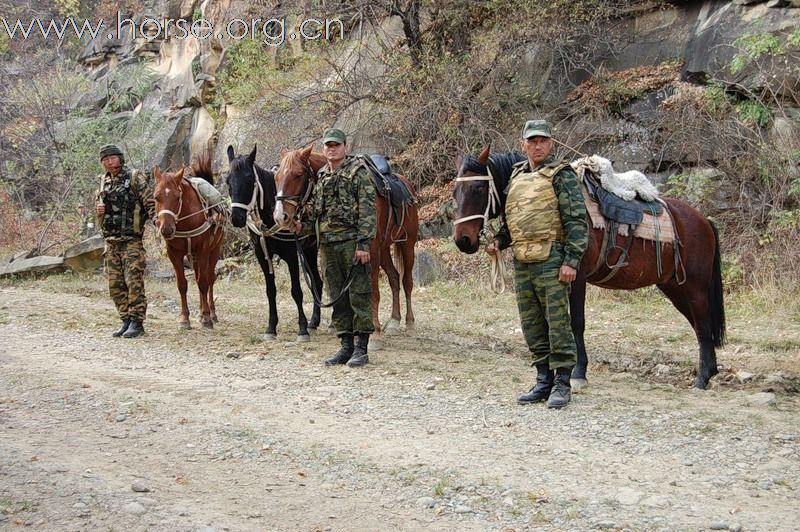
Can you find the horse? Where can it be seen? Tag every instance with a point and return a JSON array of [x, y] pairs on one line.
[[252, 190], [691, 280], [190, 229], [295, 179]]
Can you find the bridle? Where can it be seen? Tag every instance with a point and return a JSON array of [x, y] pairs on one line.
[[492, 201], [205, 226], [298, 201], [498, 267]]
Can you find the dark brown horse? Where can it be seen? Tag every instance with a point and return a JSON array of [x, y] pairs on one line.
[[295, 180], [190, 230], [693, 283]]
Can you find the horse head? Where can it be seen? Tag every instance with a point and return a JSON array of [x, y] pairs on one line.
[[472, 198], [294, 180], [169, 200], [244, 187]]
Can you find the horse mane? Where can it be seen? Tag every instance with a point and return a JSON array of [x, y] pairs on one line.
[[201, 164], [500, 165]]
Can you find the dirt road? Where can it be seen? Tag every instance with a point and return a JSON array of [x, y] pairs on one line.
[[217, 430]]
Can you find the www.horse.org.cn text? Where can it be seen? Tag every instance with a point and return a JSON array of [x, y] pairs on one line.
[[271, 31]]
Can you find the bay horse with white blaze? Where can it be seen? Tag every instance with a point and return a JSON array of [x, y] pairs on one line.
[[252, 189], [692, 281], [296, 177], [189, 229]]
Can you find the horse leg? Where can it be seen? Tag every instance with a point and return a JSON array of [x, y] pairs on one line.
[[180, 278], [376, 339], [406, 252], [394, 283], [269, 280], [293, 264], [577, 309], [201, 276], [686, 298], [212, 269], [311, 259]]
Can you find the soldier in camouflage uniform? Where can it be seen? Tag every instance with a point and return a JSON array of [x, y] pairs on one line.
[[124, 202], [545, 222], [344, 216]]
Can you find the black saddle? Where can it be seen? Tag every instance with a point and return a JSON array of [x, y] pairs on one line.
[[387, 184], [616, 209]]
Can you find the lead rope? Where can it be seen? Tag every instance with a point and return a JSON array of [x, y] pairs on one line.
[[497, 279]]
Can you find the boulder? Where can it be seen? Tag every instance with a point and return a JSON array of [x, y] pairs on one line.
[[86, 255], [32, 265]]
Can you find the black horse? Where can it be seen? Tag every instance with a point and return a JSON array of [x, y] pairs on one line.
[[691, 279], [253, 191]]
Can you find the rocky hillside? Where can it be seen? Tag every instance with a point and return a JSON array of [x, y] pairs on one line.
[[701, 95]]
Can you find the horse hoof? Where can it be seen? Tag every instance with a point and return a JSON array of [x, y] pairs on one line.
[[410, 327], [269, 337], [375, 345], [215, 319], [208, 325], [185, 325], [303, 338], [393, 327], [578, 384]]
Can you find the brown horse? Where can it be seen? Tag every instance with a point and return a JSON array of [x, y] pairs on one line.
[[692, 281], [190, 230], [295, 179]]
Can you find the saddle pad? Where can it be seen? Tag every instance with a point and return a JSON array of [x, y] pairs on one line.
[[657, 228]]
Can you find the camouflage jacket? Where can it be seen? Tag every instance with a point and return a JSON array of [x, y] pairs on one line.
[[129, 202], [343, 204], [571, 208]]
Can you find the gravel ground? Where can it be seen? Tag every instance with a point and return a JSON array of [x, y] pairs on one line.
[[217, 430]]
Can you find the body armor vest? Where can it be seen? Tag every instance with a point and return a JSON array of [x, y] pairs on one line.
[[532, 214], [123, 217]]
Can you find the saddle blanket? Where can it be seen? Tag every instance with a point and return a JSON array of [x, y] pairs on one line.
[[657, 228]]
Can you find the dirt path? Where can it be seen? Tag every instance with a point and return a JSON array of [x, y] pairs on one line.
[[204, 430]]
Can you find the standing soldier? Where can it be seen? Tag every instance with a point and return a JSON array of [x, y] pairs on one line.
[[546, 225], [123, 203], [344, 217]]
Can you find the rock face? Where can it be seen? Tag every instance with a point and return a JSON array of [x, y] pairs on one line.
[[701, 35]]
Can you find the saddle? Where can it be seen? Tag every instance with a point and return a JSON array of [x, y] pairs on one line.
[[616, 209], [388, 185]]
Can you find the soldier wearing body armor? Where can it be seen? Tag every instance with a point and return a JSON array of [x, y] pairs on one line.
[[124, 202], [344, 216], [545, 223]]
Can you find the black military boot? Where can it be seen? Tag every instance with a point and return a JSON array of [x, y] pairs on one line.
[[136, 328], [119, 332], [561, 394], [360, 356], [540, 390], [343, 354]]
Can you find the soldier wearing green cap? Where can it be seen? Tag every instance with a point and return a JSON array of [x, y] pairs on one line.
[[545, 223], [344, 215], [124, 202]]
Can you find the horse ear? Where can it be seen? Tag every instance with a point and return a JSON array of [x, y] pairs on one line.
[[251, 159], [231, 153], [157, 172], [483, 158], [459, 160], [306, 153], [179, 174], [284, 151]]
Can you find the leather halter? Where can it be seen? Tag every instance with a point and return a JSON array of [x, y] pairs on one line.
[[298, 201], [492, 201], [206, 225]]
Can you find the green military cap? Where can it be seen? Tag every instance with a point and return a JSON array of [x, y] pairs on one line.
[[334, 135], [110, 149], [536, 128]]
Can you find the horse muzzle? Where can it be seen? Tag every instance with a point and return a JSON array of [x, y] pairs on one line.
[[466, 245]]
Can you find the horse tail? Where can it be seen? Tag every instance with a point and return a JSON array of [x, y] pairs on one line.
[[201, 164], [399, 264], [715, 295]]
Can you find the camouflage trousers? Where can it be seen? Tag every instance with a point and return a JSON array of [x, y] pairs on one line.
[[353, 312], [125, 263], [543, 303]]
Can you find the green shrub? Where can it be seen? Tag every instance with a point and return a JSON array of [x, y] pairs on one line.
[[753, 46]]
